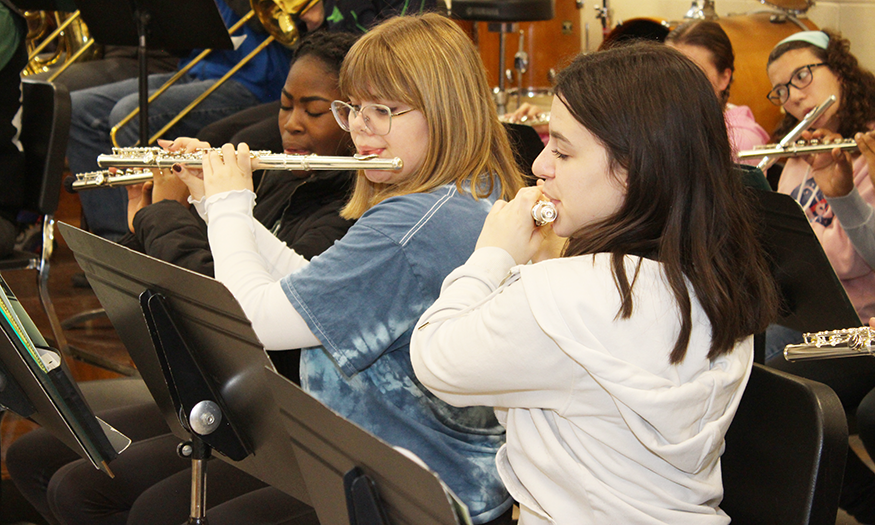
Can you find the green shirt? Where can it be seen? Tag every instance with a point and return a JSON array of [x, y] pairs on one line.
[[11, 39]]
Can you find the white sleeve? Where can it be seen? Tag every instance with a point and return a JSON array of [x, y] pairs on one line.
[[239, 265], [199, 208], [281, 260], [477, 344]]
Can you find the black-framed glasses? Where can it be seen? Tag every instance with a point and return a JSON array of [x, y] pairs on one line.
[[377, 117], [800, 78]]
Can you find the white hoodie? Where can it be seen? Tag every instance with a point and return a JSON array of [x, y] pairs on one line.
[[601, 428]]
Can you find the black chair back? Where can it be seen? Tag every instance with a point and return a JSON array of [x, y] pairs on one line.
[[45, 127], [785, 452], [526, 146]]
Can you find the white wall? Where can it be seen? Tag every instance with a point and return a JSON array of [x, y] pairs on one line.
[[854, 18]]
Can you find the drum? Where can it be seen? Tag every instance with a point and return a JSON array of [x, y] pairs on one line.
[[549, 44], [752, 35]]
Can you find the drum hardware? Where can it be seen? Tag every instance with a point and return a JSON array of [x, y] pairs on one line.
[[501, 93], [603, 13], [795, 133], [586, 37], [701, 10], [502, 17], [831, 344], [793, 8], [543, 212], [521, 64]]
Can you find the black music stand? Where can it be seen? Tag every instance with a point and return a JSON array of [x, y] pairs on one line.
[[340, 461], [200, 331], [192, 343], [154, 24], [35, 383], [813, 297]]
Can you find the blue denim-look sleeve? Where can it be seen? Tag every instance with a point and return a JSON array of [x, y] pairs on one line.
[[369, 289]]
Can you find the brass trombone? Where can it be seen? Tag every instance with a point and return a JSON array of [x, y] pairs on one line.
[[277, 17], [73, 41]]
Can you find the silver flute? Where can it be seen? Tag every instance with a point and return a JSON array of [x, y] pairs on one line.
[[263, 160], [541, 119], [832, 344], [134, 165], [543, 212], [796, 149], [796, 132]]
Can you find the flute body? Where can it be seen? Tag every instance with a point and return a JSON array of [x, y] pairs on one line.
[[262, 160], [797, 131], [831, 344], [134, 165], [798, 148]]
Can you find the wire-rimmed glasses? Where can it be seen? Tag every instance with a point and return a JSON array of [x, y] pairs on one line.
[[800, 78], [377, 117]]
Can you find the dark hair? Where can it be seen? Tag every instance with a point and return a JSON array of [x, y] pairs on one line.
[[330, 47], [857, 107], [709, 35], [656, 115]]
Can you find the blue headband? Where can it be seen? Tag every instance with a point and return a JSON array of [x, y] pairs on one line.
[[815, 38]]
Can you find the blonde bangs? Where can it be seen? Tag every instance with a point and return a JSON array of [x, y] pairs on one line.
[[428, 62], [373, 70]]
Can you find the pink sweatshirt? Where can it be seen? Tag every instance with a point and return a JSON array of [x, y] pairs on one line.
[[856, 276], [744, 132]]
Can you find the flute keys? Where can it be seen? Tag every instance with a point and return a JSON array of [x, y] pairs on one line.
[[543, 212]]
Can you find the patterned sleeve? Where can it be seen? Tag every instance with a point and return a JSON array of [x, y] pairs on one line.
[[358, 297]]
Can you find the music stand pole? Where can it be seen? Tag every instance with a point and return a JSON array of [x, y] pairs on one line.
[[144, 23], [200, 453], [143, 17]]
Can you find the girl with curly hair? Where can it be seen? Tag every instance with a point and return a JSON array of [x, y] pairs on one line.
[[836, 191]]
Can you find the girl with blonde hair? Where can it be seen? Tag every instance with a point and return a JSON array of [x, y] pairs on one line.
[[416, 90]]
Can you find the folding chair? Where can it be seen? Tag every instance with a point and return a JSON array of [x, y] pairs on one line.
[[785, 452], [45, 126]]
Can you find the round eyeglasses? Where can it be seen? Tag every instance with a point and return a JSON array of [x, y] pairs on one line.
[[800, 78], [377, 117]]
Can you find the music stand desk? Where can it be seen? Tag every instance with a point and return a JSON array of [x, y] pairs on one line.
[[191, 24], [813, 297], [55, 402], [330, 449], [214, 326]]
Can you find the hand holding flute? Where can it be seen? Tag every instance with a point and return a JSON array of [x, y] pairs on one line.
[[512, 226], [833, 170], [164, 185]]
